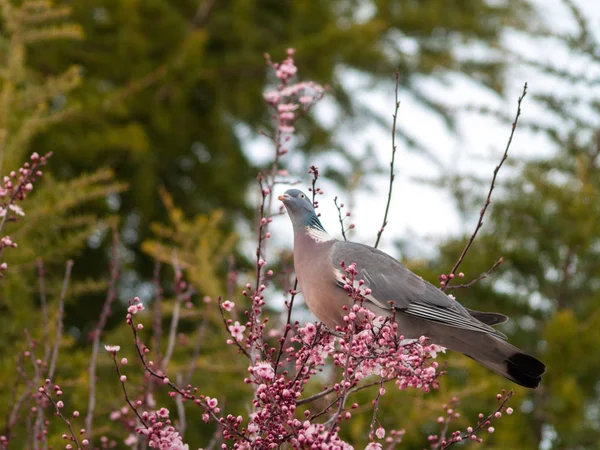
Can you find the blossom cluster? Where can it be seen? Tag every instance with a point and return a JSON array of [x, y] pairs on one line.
[[160, 432], [288, 100], [14, 188]]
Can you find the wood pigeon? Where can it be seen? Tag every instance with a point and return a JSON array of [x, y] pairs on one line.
[[421, 308]]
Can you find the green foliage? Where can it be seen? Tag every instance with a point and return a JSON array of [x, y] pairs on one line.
[[198, 247]]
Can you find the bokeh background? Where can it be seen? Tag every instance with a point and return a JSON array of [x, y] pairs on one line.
[[154, 108]]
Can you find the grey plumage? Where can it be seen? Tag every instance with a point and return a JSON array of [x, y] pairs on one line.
[[421, 309]]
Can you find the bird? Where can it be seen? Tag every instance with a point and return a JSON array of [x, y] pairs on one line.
[[421, 309]]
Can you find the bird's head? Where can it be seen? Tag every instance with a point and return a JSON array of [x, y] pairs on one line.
[[300, 209]]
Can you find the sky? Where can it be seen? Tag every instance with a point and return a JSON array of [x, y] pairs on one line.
[[422, 214]]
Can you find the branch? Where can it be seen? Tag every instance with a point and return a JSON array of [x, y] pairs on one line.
[[59, 326], [479, 278], [110, 297], [339, 209], [394, 147], [489, 196], [288, 324], [44, 304]]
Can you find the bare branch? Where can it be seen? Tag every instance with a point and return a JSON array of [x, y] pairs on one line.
[[59, 325], [489, 196], [394, 147], [479, 278]]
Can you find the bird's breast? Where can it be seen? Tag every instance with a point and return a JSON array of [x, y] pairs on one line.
[[317, 284]]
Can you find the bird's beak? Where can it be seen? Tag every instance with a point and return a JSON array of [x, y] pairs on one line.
[[283, 197]]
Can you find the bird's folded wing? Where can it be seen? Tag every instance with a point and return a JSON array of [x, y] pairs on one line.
[[391, 282]]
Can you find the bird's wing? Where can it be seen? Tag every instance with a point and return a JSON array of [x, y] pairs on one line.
[[390, 281]]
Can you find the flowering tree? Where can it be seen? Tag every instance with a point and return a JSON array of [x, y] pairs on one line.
[[282, 359]]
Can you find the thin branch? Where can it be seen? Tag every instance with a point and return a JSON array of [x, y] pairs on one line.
[[73, 436], [157, 323], [38, 427], [339, 210], [111, 294], [180, 409], [482, 423], [222, 311], [376, 408], [175, 317], [59, 325], [196, 352], [165, 380], [44, 305], [394, 147], [127, 399], [288, 323], [489, 196], [479, 278]]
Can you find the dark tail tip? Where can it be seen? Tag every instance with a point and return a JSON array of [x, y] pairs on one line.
[[525, 370]]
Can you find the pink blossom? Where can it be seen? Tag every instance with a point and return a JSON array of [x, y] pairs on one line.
[[373, 446], [272, 97], [211, 402], [135, 308], [16, 209], [264, 370], [237, 331], [112, 348], [131, 440], [228, 305], [163, 413], [286, 129]]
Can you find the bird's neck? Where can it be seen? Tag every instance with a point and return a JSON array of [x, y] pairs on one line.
[[311, 227], [317, 234]]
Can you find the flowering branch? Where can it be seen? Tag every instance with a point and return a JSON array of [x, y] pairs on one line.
[[479, 278]]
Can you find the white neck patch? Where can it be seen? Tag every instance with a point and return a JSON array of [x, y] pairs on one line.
[[318, 235]]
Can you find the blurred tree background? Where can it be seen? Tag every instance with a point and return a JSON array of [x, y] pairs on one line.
[[148, 105]]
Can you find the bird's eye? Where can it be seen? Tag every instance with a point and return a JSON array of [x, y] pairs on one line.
[[301, 195]]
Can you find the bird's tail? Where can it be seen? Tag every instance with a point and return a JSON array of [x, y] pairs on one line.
[[495, 354]]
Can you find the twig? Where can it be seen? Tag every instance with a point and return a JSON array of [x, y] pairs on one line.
[[196, 351], [180, 409], [481, 423], [59, 325], [44, 304], [242, 349], [174, 387], [157, 324], [376, 408], [67, 422], [175, 316], [110, 297], [38, 426], [288, 324], [394, 147], [339, 210], [127, 399], [489, 196], [480, 277], [11, 416]]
